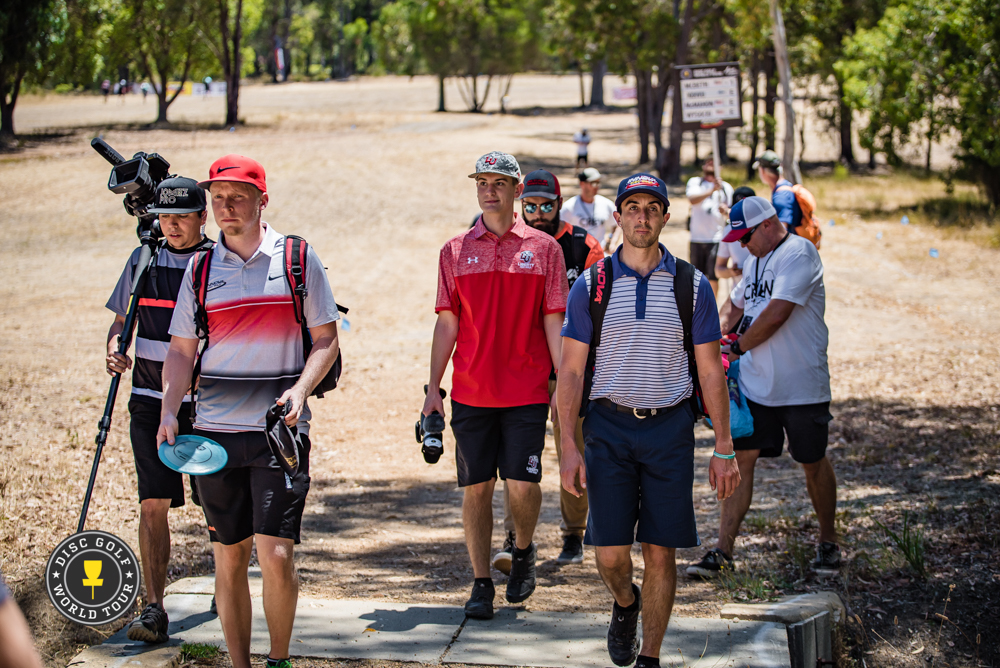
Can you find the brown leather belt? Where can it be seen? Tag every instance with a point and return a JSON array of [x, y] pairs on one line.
[[641, 413]]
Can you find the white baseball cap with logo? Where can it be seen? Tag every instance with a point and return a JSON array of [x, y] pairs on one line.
[[746, 214]]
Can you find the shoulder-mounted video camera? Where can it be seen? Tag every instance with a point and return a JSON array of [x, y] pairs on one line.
[[137, 180]]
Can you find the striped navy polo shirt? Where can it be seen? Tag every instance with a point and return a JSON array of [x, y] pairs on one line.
[[156, 307], [641, 361]]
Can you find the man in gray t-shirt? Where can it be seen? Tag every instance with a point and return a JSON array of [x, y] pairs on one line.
[[254, 354]]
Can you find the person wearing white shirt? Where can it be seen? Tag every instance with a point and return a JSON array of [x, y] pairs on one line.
[[592, 212], [778, 309], [731, 256], [582, 141], [707, 193]]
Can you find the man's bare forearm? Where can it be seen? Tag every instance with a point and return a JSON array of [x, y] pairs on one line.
[[321, 358], [767, 323], [552, 323], [442, 346], [569, 396], [716, 395], [177, 369]]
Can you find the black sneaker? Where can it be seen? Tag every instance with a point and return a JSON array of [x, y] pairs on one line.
[[714, 562], [827, 558], [623, 633], [521, 584], [572, 552], [150, 626], [480, 604], [501, 561]]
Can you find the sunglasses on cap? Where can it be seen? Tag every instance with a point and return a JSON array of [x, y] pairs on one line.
[[546, 208]]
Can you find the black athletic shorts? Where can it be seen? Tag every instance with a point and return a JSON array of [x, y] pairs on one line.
[[252, 494], [703, 258], [807, 427], [510, 440], [156, 481]]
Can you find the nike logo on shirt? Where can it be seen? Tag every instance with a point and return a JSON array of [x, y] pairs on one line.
[[274, 278]]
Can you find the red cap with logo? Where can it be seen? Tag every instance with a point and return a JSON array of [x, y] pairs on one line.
[[237, 168]]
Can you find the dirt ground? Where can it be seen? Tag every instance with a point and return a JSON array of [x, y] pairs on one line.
[[377, 184]]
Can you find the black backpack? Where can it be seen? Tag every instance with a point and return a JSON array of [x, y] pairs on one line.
[[296, 252], [575, 251], [601, 278]]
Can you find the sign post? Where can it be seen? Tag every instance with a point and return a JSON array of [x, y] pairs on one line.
[[710, 99]]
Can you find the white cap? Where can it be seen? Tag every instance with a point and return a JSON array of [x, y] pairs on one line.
[[748, 213]]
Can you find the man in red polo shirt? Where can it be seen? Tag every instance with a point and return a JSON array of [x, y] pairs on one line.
[[501, 295]]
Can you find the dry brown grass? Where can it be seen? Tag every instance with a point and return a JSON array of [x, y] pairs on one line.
[[911, 356]]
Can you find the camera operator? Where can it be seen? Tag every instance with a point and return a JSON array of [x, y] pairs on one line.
[[181, 207]]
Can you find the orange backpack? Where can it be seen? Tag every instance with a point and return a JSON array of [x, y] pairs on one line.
[[809, 228]]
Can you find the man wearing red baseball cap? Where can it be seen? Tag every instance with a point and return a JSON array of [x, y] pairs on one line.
[[254, 353]]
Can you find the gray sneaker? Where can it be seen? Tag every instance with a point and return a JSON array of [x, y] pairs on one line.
[[150, 626], [501, 560], [572, 551], [827, 558]]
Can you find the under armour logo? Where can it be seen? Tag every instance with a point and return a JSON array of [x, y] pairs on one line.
[[472, 259]]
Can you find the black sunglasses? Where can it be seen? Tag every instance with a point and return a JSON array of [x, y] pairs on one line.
[[745, 239], [546, 208]]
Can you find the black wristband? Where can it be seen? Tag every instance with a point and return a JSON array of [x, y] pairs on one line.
[[734, 347]]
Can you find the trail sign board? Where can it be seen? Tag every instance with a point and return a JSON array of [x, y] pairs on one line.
[[710, 96]]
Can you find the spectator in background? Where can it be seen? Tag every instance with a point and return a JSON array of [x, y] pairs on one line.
[[582, 140], [768, 167], [106, 88], [592, 212], [731, 256], [707, 194]]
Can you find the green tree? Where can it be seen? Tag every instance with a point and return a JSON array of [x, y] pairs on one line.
[[78, 53], [27, 31], [227, 23], [163, 39]]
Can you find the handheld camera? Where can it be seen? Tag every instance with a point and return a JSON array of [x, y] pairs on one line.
[[137, 180], [429, 431]]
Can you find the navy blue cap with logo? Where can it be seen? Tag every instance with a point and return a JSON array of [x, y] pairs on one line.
[[178, 194], [642, 183]]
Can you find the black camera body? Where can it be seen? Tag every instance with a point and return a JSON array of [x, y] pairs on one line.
[[137, 180], [430, 432]]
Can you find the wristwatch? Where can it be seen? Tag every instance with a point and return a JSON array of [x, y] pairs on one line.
[[735, 349]]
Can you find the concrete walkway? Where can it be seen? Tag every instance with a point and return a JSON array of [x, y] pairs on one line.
[[361, 629]]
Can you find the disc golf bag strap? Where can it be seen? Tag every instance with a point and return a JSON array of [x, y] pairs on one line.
[[601, 277], [684, 298], [199, 282], [296, 252]]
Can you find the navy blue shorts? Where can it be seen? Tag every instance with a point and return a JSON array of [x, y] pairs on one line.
[[640, 472]]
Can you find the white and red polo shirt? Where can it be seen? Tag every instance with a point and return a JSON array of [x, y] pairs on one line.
[[500, 288], [254, 348]]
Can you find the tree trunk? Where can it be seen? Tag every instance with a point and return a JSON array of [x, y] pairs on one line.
[[755, 121], [583, 100], [6, 120], [597, 72], [441, 93], [657, 100], [672, 171], [642, 106], [770, 94], [233, 75], [161, 105], [789, 161], [8, 99], [845, 118]]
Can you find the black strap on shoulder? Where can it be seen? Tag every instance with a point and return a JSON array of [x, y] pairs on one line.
[[199, 283], [601, 278], [684, 297]]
